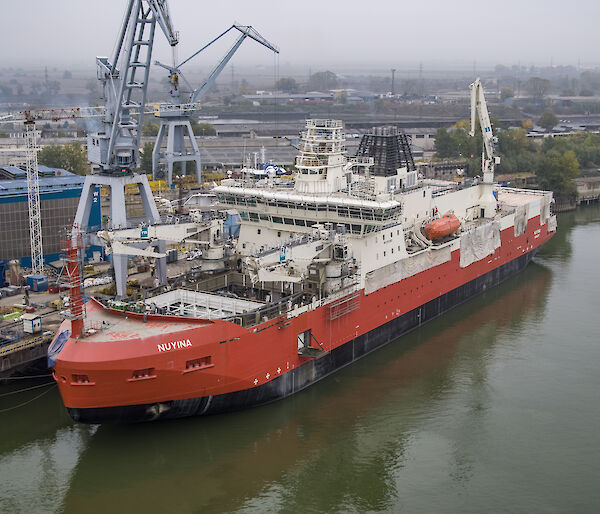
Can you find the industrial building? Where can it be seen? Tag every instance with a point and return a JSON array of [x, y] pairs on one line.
[[59, 196]]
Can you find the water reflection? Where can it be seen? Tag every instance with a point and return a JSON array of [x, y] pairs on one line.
[[35, 420], [333, 447], [362, 440], [560, 247]]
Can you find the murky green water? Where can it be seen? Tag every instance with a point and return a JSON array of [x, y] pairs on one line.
[[495, 407]]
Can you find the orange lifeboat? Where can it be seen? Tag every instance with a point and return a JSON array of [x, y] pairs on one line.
[[443, 226]]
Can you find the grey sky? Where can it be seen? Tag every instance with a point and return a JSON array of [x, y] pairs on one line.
[[319, 33]]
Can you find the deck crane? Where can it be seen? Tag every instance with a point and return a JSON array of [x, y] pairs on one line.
[[488, 202], [114, 149], [175, 118], [479, 109]]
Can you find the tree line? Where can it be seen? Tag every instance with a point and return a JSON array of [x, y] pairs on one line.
[[73, 157], [556, 161]]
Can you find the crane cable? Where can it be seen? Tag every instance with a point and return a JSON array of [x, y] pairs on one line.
[[276, 80]]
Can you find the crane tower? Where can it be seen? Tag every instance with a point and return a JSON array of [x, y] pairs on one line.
[[175, 123], [114, 149], [33, 198]]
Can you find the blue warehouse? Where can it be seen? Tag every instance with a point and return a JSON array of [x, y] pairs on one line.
[[59, 195]]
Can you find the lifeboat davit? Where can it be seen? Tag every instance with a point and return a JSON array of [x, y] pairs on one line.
[[442, 227]]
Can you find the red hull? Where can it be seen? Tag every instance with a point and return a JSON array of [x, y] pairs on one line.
[[151, 367]]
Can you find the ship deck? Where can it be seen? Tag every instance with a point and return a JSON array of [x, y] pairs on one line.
[[104, 324], [182, 302], [518, 197]]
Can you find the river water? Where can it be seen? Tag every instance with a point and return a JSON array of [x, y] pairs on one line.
[[492, 407]]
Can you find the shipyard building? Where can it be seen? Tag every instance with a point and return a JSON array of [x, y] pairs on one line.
[[59, 195]]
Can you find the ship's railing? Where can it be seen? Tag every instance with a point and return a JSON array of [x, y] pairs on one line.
[[268, 249], [273, 310], [537, 192], [323, 123], [352, 288], [22, 345], [361, 161], [328, 147], [321, 136], [302, 160], [232, 278], [302, 302]]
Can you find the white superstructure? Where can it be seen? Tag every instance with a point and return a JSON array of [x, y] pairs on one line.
[[338, 218]]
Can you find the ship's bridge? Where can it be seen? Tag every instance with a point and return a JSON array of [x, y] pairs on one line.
[[294, 212], [321, 146]]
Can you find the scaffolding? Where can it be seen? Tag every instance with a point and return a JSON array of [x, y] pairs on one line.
[[72, 247], [33, 198]]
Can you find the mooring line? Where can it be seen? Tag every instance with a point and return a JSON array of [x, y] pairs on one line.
[[24, 377], [27, 402], [26, 389]]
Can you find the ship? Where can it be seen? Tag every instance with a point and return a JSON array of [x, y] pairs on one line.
[[330, 264]]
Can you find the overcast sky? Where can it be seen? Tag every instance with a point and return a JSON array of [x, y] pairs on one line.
[[319, 33]]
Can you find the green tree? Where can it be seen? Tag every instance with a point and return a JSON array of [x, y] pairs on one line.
[[556, 171], [202, 129], [146, 157], [548, 121], [150, 129], [518, 152], [457, 143], [287, 84], [322, 80], [71, 157], [586, 147], [444, 145]]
